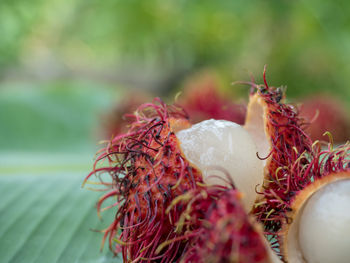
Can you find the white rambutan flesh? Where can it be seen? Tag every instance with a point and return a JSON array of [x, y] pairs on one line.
[[214, 144], [324, 226]]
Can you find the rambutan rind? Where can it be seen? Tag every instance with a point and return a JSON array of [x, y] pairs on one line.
[[148, 171], [281, 141], [292, 160], [218, 228]]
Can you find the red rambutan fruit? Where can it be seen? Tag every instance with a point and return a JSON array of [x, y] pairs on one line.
[[115, 122], [278, 132], [203, 100], [148, 170], [219, 229], [326, 113]]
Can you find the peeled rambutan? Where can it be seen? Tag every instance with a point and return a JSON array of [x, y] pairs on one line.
[[148, 170], [152, 164], [320, 218], [165, 174], [219, 229], [317, 222], [294, 165], [215, 144], [259, 157]]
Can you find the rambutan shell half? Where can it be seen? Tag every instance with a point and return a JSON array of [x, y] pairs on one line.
[[277, 131], [142, 172], [318, 229], [220, 230], [256, 124]]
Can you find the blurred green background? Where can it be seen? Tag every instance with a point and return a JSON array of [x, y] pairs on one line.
[[64, 64]]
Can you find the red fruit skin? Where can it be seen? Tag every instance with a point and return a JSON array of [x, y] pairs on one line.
[[115, 122], [295, 162], [220, 230], [289, 143], [148, 171], [203, 100], [326, 113]]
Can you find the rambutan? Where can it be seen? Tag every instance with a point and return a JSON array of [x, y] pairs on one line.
[[317, 224], [203, 100], [116, 121], [219, 229], [279, 134], [148, 170], [215, 144], [172, 183], [260, 156], [151, 165], [326, 113], [294, 168], [319, 231]]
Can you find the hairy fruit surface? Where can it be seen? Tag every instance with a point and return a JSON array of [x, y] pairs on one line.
[[219, 229], [148, 170]]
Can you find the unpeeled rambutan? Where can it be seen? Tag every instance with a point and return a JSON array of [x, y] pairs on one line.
[[204, 100], [219, 229], [326, 113], [148, 170], [116, 120]]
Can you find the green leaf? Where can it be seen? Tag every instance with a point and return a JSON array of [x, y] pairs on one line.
[[49, 219]]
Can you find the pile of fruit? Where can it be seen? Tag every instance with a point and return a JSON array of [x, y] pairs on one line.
[[217, 191]]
